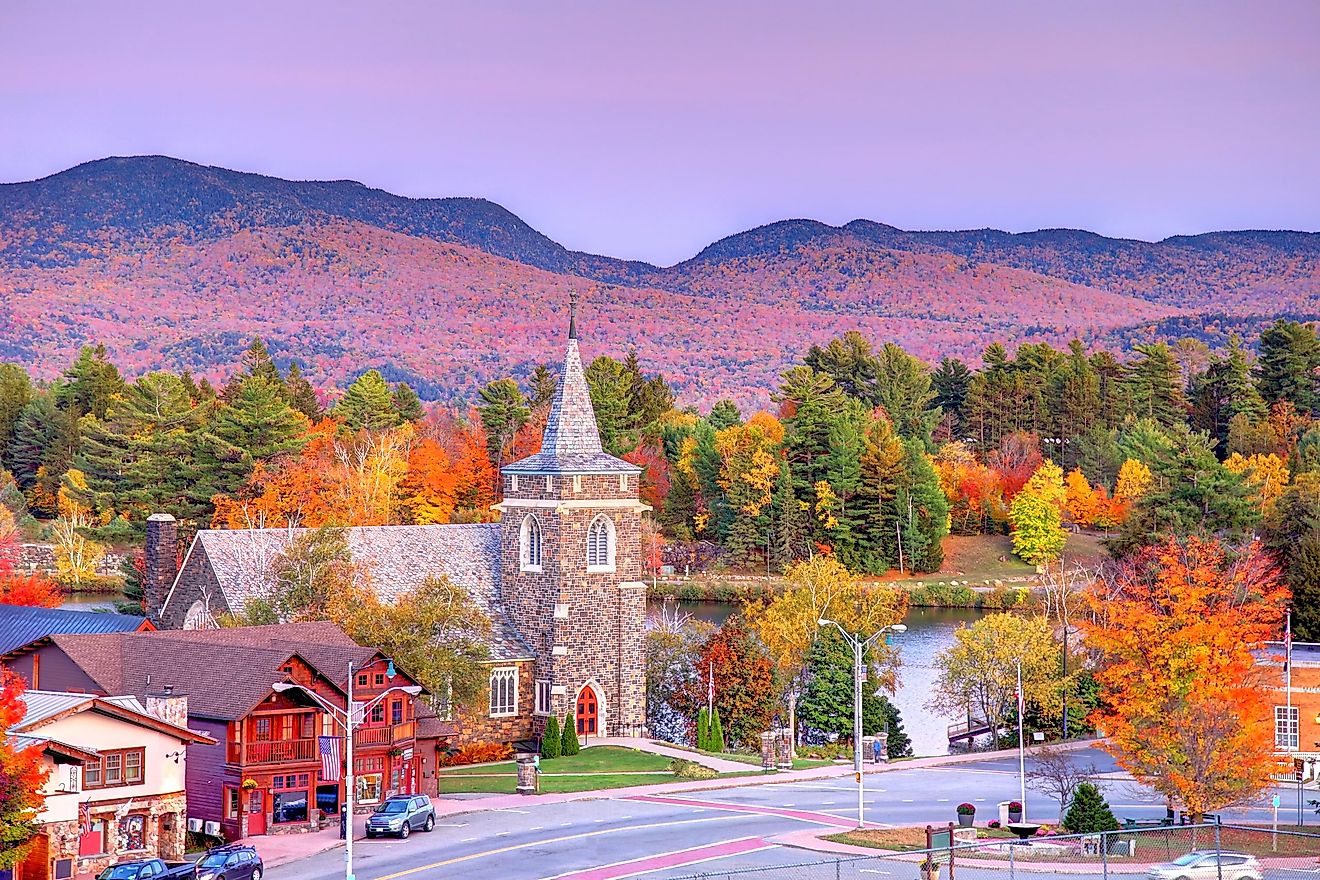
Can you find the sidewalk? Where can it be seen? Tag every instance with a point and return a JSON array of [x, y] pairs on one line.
[[642, 744], [280, 849]]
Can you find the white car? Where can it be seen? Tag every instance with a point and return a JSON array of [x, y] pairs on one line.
[[1208, 866]]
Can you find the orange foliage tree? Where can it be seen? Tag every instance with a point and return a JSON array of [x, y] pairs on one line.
[[34, 590], [1187, 709], [21, 777]]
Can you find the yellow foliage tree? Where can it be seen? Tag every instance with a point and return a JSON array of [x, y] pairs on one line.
[[748, 463], [76, 555], [1134, 481], [1036, 514], [1267, 473]]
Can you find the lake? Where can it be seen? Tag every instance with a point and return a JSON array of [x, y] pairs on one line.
[[89, 601], [930, 630]]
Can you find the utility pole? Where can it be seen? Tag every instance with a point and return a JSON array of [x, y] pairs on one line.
[[1022, 752]]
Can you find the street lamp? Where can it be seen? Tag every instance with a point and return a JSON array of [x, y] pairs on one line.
[[859, 646], [349, 720]]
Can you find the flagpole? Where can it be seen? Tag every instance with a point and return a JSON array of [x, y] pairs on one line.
[[1022, 754], [1287, 668]]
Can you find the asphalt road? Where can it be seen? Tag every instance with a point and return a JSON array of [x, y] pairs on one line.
[[720, 831]]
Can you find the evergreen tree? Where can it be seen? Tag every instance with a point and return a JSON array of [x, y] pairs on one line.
[[843, 472], [950, 381], [1223, 391], [367, 404], [716, 737], [503, 411], [15, 394], [133, 599], [1155, 383], [724, 414], [882, 476], [552, 739], [1074, 402], [541, 385], [406, 403], [790, 518], [257, 424], [301, 395], [851, 363], [903, 390], [1288, 365], [925, 522], [1098, 454], [91, 383], [256, 362], [827, 702], [1115, 397], [1089, 813], [611, 394], [45, 439], [569, 746], [703, 730]]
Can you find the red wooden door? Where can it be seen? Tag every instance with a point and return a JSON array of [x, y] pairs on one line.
[[586, 712], [256, 812], [36, 864]]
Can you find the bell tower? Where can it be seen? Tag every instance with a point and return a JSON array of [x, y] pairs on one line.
[[571, 564]]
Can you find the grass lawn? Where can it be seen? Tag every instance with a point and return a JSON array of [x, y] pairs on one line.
[[601, 766], [742, 758], [982, 559], [903, 839]]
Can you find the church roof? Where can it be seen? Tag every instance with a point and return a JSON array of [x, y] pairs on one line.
[[571, 442], [400, 559]]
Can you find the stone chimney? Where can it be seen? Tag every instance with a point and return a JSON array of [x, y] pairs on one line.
[[169, 706], [162, 562]]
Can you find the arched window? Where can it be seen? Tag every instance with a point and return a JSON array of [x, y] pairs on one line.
[[530, 544], [600, 544]]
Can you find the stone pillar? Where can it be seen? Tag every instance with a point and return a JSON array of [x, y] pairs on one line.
[[769, 750], [528, 767], [162, 562]]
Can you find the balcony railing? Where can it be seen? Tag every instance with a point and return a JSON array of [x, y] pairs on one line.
[[385, 736], [278, 751]]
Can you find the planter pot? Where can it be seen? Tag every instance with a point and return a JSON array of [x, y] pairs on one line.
[[1015, 816], [965, 820]]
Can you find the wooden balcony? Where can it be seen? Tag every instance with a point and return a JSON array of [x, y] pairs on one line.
[[273, 751], [387, 735]]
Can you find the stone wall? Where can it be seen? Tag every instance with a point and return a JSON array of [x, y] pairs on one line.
[[163, 832], [41, 558]]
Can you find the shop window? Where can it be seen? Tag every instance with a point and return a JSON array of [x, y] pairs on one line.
[[231, 803], [396, 712], [378, 713], [289, 806], [368, 788], [261, 729], [132, 833]]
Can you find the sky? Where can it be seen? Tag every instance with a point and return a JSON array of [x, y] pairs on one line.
[[646, 130]]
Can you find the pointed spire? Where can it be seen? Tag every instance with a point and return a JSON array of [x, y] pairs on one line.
[[572, 315]]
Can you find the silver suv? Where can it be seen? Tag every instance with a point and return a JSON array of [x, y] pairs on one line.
[[403, 815], [1208, 866]]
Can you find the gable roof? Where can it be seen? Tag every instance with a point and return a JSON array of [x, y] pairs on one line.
[[45, 707], [224, 673], [400, 558], [53, 747], [571, 442], [21, 625]]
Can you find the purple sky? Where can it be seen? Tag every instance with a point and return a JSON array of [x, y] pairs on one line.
[[647, 130]]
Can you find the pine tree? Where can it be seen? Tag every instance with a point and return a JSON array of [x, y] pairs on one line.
[[1287, 365], [724, 414], [406, 403], [716, 736], [569, 744], [552, 739], [903, 390], [541, 385], [1155, 382], [133, 599], [790, 520], [703, 730], [91, 383], [503, 411], [950, 382], [15, 394], [301, 395], [256, 362], [827, 703], [1089, 813], [926, 519], [45, 438], [882, 474], [368, 404]]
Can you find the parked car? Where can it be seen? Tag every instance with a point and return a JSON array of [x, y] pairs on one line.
[[232, 862], [1208, 866], [401, 815], [149, 869]]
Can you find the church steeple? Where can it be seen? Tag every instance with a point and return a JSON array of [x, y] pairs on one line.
[[571, 442]]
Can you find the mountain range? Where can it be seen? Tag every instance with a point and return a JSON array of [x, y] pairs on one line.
[[177, 265]]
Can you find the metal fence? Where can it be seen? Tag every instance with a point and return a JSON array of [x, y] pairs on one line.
[[1229, 852]]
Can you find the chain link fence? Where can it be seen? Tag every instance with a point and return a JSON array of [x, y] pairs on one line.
[[1172, 852]]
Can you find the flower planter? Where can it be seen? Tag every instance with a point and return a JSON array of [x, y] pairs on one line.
[[965, 820], [1014, 816]]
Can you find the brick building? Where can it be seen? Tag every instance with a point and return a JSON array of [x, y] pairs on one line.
[[1296, 702], [559, 576]]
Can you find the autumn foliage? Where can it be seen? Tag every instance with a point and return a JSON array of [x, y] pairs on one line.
[[21, 777], [1187, 709]]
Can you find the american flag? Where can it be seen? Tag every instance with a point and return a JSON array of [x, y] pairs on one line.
[[331, 760]]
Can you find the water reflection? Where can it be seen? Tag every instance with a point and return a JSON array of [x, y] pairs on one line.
[[930, 630]]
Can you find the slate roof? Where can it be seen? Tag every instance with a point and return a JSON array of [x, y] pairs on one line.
[[400, 558], [20, 625], [224, 673], [571, 442]]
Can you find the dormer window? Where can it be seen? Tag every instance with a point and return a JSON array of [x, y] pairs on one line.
[[600, 544], [529, 543]]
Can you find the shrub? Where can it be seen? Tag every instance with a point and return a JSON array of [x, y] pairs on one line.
[[569, 743], [993, 823], [716, 736], [1089, 813], [965, 809], [825, 751], [703, 730], [477, 753], [685, 769], [551, 739]]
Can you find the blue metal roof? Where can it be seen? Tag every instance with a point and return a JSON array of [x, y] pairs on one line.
[[20, 625]]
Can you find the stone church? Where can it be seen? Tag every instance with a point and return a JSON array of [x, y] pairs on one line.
[[559, 576]]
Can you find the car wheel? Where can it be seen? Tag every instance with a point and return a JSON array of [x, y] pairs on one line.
[[430, 823], [371, 835], [405, 831], [256, 874]]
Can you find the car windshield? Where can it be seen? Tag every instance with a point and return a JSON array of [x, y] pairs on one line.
[[214, 860], [1189, 859], [395, 807], [121, 872]]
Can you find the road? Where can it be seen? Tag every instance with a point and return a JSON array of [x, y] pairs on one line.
[[717, 831]]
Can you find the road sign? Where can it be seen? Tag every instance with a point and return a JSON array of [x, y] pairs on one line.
[[1274, 802]]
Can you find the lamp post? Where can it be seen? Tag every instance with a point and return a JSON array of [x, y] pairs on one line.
[[859, 646], [349, 720]]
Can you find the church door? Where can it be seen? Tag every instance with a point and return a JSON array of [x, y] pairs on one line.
[[586, 712]]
